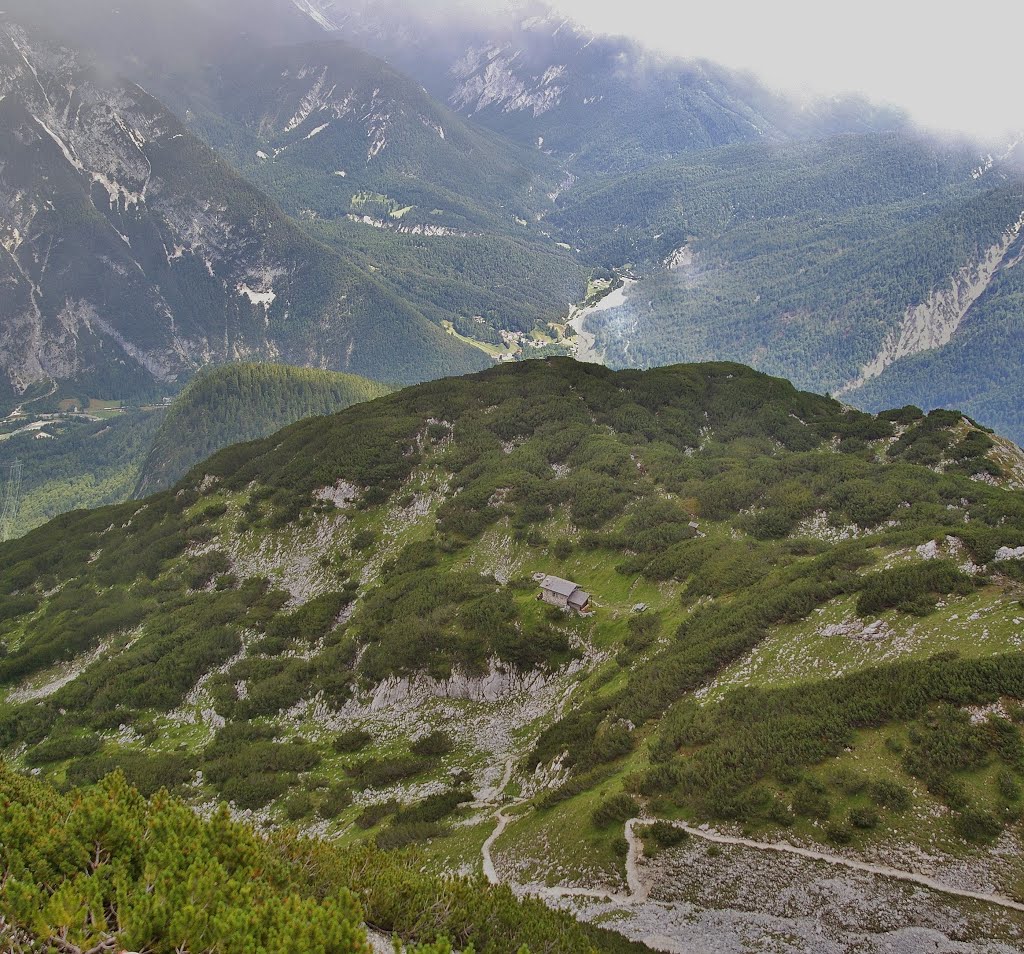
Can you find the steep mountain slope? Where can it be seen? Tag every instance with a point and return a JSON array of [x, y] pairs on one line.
[[333, 123], [242, 402], [806, 621], [605, 102], [133, 255], [827, 262], [441, 210], [978, 369], [430, 205]]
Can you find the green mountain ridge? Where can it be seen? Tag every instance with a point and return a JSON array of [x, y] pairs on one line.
[[90, 456], [242, 402], [806, 628]]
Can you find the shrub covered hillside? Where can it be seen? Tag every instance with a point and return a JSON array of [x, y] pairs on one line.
[[805, 618], [103, 869]]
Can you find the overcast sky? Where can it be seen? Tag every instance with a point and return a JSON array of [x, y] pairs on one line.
[[953, 66]]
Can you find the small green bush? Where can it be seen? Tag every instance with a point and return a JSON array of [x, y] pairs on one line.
[[257, 790], [839, 834], [373, 815], [913, 588], [363, 540], [383, 772], [977, 826], [810, 800], [666, 835], [616, 809], [202, 570], [891, 795], [397, 836], [434, 745], [58, 748], [1008, 785], [298, 805], [434, 807], [337, 799], [864, 818], [350, 741], [848, 781]]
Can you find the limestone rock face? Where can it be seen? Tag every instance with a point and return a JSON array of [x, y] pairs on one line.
[[498, 683]]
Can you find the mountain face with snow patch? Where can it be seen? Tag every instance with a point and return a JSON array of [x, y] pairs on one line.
[[132, 255], [335, 124]]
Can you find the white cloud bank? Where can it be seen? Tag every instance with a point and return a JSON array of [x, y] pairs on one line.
[[952, 66]]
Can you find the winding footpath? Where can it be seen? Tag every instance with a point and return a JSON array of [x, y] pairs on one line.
[[638, 891], [898, 874], [21, 407], [490, 872]]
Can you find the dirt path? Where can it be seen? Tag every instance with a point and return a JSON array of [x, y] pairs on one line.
[[809, 853], [638, 891], [490, 873], [42, 397], [489, 796]]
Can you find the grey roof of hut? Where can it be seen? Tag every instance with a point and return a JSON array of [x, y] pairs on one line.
[[556, 584], [579, 599]]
